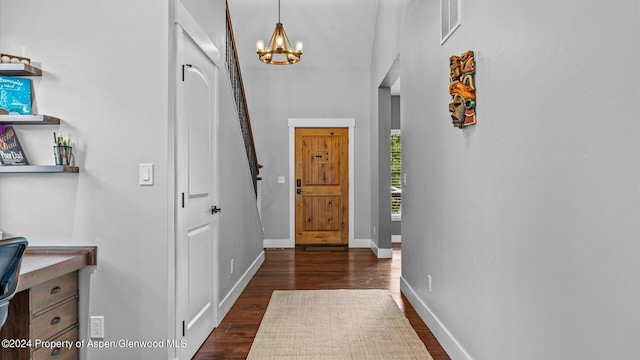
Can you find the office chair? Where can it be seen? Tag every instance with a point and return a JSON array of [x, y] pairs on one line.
[[11, 251]]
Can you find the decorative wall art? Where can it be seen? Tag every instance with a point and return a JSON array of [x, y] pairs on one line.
[[462, 89]]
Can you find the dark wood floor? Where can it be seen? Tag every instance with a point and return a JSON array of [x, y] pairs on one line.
[[300, 269]]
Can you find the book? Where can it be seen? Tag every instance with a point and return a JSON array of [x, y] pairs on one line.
[[10, 150], [15, 96]]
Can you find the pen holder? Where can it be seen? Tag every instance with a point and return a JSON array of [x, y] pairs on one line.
[[63, 155]]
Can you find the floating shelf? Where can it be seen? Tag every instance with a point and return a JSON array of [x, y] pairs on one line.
[[29, 120], [19, 70], [38, 169], [28, 70]]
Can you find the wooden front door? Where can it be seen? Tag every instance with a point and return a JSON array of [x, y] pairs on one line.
[[322, 186]]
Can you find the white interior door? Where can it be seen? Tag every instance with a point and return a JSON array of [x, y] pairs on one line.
[[197, 227]]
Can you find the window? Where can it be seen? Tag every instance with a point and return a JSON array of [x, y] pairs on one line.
[[396, 176], [449, 18]]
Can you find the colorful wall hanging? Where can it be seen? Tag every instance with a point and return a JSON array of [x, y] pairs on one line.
[[462, 89]]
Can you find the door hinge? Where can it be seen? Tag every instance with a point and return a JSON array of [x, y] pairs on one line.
[[183, 200], [189, 65]]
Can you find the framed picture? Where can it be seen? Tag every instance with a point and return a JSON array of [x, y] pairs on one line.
[[450, 11]]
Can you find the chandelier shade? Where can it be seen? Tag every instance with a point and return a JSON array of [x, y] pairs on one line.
[[278, 50]]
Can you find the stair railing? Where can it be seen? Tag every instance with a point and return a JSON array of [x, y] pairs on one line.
[[235, 77]]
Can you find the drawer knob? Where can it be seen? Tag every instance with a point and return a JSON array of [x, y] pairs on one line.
[[56, 351], [55, 320], [56, 290]]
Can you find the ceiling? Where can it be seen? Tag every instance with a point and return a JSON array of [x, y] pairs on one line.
[[337, 34]]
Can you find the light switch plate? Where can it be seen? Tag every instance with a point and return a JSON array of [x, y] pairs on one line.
[[280, 179], [146, 174]]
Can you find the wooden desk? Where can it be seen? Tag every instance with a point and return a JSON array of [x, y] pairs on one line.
[[45, 306]]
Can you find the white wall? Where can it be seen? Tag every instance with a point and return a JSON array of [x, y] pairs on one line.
[[277, 93], [528, 221], [241, 238], [382, 75], [107, 76]]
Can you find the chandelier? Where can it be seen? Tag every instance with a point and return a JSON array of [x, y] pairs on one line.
[[279, 50]]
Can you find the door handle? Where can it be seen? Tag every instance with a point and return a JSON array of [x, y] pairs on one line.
[[298, 182], [298, 191], [215, 209]]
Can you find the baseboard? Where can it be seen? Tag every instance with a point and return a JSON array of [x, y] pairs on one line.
[[233, 295], [359, 243], [396, 238], [278, 243], [449, 343], [380, 253]]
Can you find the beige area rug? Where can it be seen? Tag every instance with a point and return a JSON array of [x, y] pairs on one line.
[[335, 324]]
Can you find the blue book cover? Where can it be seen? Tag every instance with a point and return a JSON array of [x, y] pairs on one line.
[[10, 150], [15, 96]]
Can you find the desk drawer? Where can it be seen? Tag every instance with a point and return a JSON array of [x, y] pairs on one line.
[[53, 291], [62, 353], [48, 324]]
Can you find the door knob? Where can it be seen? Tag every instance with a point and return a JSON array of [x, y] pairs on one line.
[[215, 209], [298, 191]]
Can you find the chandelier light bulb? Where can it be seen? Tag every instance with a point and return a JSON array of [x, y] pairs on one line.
[[260, 45]]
